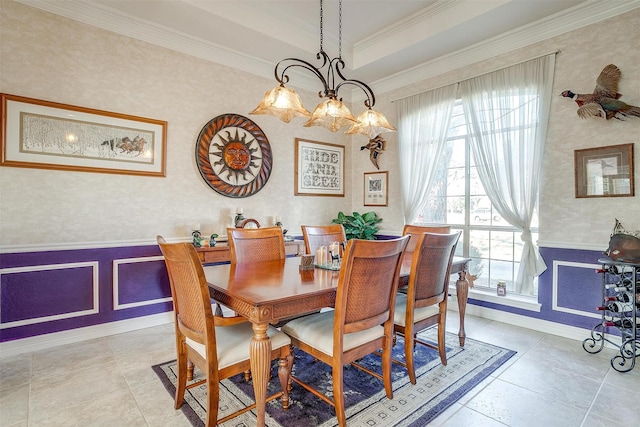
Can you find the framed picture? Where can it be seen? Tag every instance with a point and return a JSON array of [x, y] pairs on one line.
[[376, 190], [604, 171], [319, 169], [49, 135]]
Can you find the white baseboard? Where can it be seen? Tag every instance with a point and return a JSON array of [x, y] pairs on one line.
[[545, 326], [42, 342]]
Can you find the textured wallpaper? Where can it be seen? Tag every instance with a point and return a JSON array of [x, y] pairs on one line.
[[566, 221], [48, 57]]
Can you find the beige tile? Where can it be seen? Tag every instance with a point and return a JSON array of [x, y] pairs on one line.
[[63, 359], [468, 418], [515, 406], [76, 387], [620, 406], [509, 336], [14, 404], [552, 378], [15, 370], [629, 381], [156, 404], [115, 408]]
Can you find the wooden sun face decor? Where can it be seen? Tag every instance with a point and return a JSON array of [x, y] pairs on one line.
[[234, 156], [376, 147]]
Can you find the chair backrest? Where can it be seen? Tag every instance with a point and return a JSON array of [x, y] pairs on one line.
[[256, 244], [431, 268], [190, 293], [367, 284], [322, 235], [415, 231]]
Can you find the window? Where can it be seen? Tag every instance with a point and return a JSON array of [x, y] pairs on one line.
[[458, 198]]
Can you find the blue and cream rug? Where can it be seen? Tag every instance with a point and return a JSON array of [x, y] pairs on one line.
[[437, 388]]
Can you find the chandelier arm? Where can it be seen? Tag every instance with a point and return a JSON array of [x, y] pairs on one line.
[[283, 78], [371, 98]]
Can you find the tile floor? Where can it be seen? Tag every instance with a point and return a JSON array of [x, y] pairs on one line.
[[551, 382]]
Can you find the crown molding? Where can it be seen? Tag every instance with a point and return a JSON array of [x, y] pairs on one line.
[[103, 17], [582, 15]]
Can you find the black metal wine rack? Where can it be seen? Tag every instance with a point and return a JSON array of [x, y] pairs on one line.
[[620, 311]]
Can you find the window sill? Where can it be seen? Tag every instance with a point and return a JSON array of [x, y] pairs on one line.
[[516, 301]]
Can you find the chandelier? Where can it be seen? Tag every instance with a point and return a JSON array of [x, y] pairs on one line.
[[331, 113]]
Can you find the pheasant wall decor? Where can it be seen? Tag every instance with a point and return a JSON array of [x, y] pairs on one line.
[[376, 146], [605, 99]]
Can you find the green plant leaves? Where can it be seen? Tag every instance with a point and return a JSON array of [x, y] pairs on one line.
[[359, 226]]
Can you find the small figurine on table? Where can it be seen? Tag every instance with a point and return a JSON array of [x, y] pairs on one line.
[[197, 238], [212, 239]]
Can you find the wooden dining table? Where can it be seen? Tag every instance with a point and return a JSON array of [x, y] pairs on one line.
[[270, 291]]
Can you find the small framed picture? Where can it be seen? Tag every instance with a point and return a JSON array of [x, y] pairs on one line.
[[376, 190], [604, 171]]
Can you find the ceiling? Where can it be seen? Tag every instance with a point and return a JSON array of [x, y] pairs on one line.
[[386, 43]]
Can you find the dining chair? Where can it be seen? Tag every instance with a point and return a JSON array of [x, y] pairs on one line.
[[425, 302], [414, 231], [321, 235], [362, 321], [218, 346], [256, 244]]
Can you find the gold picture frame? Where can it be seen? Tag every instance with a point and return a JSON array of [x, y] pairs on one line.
[[604, 171], [50, 135], [376, 188], [319, 168]]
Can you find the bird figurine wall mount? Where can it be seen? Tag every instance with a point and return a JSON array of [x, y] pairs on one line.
[[605, 99], [376, 146]]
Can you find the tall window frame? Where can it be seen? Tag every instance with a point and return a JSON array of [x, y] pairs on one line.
[[494, 246]]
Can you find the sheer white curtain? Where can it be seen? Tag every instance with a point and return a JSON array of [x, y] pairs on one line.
[[508, 111], [423, 124]]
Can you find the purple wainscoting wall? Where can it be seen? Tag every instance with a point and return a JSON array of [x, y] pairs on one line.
[[45, 292], [571, 278]]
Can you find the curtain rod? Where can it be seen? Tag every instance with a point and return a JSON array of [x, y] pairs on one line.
[[478, 75]]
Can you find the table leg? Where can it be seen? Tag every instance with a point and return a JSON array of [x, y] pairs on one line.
[[260, 354], [462, 289]]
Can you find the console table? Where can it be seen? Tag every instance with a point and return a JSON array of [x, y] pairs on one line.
[[220, 252]]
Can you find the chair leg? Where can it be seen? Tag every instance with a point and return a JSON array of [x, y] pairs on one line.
[[285, 365], [247, 375], [386, 368], [189, 370], [212, 398], [442, 350], [337, 373], [409, 346], [181, 381]]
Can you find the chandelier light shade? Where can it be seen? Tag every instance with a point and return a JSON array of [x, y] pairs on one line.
[[371, 123], [281, 102], [331, 113]]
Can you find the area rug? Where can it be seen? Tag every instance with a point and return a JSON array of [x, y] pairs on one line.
[[437, 388]]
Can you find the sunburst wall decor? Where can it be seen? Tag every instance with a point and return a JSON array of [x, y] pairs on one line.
[[234, 156]]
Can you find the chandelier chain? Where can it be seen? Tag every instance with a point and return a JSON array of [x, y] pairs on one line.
[[321, 35], [340, 29]]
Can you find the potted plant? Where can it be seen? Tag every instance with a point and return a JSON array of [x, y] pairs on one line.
[[359, 226]]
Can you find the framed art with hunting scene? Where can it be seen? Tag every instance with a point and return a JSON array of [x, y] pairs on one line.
[[50, 135], [604, 171]]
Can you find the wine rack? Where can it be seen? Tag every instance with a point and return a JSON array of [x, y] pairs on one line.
[[620, 310]]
